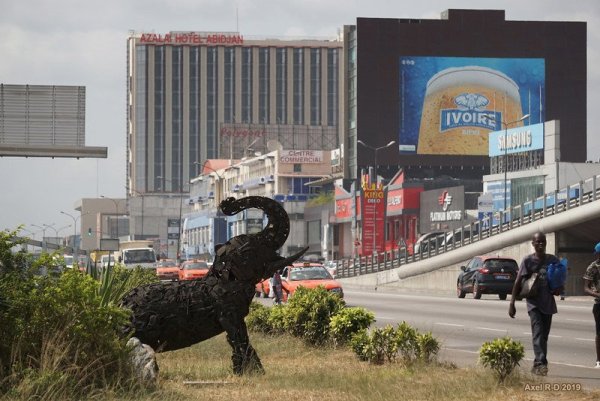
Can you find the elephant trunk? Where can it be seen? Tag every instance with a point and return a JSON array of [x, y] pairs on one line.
[[277, 230]]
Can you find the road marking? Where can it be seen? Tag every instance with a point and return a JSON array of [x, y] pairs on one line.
[[525, 359], [490, 329], [450, 324], [386, 318], [580, 320], [552, 335], [585, 339]]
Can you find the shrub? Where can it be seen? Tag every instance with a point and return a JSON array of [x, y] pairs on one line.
[[60, 325], [277, 318], [359, 343], [349, 321], [502, 355], [387, 344], [258, 318], [309, 313], [383, 345], [60, 332], [428, 346], [406, 341]]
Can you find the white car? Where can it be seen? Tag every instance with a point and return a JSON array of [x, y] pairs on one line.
[[105, 259], [331, 266], [68, 261]]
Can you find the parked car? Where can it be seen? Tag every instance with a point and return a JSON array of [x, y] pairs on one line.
[[487, 275], [168, 270], [193, 269], [309, 275]]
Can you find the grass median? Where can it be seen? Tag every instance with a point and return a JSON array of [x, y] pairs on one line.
[[295, 371]]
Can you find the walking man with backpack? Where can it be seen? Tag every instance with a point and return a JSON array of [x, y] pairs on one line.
[[540, 306], [591, 287]]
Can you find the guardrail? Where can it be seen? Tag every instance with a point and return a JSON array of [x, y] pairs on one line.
[[549, 204]]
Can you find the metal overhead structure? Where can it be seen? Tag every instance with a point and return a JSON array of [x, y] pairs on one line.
[[44, 121]]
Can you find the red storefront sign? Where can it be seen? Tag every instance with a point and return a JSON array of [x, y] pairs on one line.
[[343, 208], [373, 219]]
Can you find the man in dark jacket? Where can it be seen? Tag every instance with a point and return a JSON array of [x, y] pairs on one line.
[[277, 288], [591, 287], [542, 306]]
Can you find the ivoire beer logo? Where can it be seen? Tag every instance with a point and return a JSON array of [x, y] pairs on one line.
[[449, 105], [470, 112]]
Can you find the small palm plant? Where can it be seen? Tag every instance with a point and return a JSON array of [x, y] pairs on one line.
[[502, 355]]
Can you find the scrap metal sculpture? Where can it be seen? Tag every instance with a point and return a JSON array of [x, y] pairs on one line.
[[170, 316]]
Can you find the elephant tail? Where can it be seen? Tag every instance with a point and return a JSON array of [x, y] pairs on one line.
[[277, 230]]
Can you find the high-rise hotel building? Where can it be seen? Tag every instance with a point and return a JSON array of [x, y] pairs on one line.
[[194, 96]]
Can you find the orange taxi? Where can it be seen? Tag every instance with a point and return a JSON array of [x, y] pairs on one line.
[[167, 270], [305, 274], [193, 269]]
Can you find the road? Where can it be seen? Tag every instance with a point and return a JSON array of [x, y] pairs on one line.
[[463, 325]]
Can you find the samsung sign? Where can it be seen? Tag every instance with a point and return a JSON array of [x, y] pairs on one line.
[[516, 140]]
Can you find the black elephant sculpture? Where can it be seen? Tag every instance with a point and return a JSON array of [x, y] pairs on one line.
[[170, 316]]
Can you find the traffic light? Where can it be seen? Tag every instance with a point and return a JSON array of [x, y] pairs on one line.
[[90, 232]]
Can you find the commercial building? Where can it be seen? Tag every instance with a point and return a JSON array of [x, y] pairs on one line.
[[439, 87], [434, 89], [281, 175], [194, 96]]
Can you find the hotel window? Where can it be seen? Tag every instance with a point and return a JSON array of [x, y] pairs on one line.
[[263, 85], [159, 110], [247, 85], [211, 102], [281, 85], [229, 90], [315, 86], [332, 87], [177, 119], [141, 103], [194, 111], [298, 86]]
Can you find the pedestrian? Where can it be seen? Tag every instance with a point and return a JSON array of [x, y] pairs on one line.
[[542, 306], [591, 286], [277, 288]]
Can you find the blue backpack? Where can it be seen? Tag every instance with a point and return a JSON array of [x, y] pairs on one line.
[[556, 274]]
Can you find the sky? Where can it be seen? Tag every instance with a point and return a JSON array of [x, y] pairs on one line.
[[74, 42]]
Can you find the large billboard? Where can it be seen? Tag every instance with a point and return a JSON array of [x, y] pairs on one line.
[[451, 104], [395, 59]]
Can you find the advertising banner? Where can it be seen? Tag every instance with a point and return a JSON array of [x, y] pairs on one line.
[[173, 228], [449, 105], [442, 209], [516, 140], [373, 199]]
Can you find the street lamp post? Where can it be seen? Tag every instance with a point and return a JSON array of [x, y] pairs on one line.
[[177, 253], [45, 226], [506, 151], [217, 190], [142, 195], [75, 248], [116, 211], [375, 150], [56, 231]]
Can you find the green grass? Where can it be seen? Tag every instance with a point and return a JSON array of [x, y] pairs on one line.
[[297, 372]]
